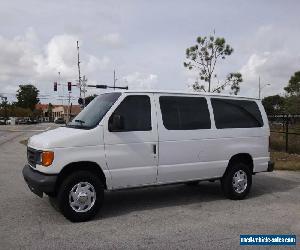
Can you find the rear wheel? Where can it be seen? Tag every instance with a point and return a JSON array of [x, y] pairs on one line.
[[80, 196], [237, 181]]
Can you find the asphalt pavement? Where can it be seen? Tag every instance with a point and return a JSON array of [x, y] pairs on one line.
[[168, 217], [10, 132]]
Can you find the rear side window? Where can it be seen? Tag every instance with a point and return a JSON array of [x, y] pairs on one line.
[[184, 113], [236, 113], [136, 113]]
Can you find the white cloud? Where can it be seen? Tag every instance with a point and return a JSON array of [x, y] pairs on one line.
[[112, 40], [94, 63], [273, 68], [58, 56], [23, 60], [61, 55], [141, 81], [190, 76], [135, 41], [16, 57], [273, 58]]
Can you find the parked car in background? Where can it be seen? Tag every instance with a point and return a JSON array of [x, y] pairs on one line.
[[8, 121], [138, 139], [2, 121], [59, 120], [22, 120], [32, 121]]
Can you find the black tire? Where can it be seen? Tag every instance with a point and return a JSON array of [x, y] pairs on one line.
[[227, 181], [65, 189]]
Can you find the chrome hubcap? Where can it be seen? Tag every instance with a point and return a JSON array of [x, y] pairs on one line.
[[239, 181], [82, 197]]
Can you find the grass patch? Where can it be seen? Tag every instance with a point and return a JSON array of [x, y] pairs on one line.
[[24, 142], [285, 161], [277, 142]]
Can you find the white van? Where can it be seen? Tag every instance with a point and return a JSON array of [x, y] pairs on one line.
[[137, 139]]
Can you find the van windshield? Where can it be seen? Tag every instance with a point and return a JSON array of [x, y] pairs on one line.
[[93, 113]]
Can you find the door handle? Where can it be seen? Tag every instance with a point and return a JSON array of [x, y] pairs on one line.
[[154, 149]]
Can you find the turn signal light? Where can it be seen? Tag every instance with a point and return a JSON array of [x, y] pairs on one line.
[[47, 158]]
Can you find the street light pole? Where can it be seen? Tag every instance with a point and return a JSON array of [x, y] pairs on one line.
[[259, 90], [62, 102], [115, 79], [78, 66], [261, 87]]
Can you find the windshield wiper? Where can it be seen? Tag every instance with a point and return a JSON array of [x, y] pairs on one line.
[[73, 125], [70, 125], [80, 121]]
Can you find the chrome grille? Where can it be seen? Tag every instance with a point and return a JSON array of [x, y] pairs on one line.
[[32, 156]]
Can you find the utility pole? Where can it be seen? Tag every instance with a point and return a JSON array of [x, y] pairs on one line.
[[68, 113], [259, 89], [84, 81], [115, 79], [78, 65], [59, 83]]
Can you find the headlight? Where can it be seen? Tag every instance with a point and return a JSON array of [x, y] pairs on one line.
[[47, 158]]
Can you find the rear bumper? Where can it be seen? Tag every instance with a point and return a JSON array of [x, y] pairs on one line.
[[270, 166], [38, 182]]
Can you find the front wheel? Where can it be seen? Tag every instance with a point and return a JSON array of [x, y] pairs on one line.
[[80, 196], [237, 181]]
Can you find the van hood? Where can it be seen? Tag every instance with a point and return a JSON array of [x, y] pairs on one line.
[[67, 137]]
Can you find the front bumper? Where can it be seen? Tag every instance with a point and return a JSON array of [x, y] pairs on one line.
[[270, 166], [38, 182]]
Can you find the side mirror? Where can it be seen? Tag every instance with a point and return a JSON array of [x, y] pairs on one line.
[[116, 123]]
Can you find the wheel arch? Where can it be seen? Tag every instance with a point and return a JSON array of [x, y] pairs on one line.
[[245, 158], [77, 166]]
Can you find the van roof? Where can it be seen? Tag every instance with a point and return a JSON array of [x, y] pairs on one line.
[[186, 93]]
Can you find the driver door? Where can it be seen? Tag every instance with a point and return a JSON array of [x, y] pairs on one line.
[[131, 151]]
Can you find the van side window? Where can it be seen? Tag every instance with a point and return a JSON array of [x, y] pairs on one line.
[[236, 113], [184, 113], [135, 111]]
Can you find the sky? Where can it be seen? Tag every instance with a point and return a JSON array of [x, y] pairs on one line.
[[145, 42]]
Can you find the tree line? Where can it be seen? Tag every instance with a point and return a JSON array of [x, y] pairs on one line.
[[27, 98], [287, 104]]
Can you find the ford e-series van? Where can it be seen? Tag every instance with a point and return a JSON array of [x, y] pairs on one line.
[[138, 139]]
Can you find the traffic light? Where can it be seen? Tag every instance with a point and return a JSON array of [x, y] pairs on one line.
[[80, 101], [55, 86], [69, 86]]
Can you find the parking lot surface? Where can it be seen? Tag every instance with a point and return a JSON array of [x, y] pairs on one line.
[[168, 217]]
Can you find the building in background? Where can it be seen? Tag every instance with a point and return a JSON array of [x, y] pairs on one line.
[[50, 114], [46, 115], [67, 113]]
